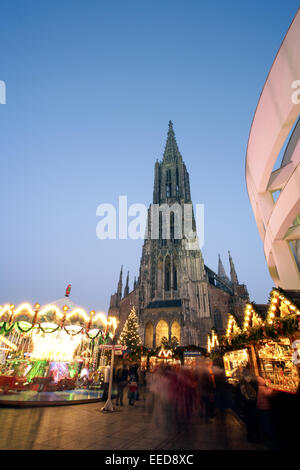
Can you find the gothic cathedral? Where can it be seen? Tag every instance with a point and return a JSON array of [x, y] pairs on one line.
[[176, 294]]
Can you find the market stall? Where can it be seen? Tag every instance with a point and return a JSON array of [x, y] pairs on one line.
[[275, 354], [192, 358], [237, 360], [268, 343], [234, 364], [163, 357]]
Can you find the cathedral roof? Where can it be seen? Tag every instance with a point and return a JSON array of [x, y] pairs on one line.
[[217, 281]]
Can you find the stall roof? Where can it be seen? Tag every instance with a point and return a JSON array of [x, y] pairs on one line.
[[261, 310], [293, 296]]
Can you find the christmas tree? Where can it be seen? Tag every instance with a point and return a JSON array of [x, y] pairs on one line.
[[130, 335]]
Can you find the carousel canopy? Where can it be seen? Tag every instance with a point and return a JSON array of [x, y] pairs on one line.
[[62, 311]]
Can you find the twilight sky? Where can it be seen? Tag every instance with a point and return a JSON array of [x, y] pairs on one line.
[[91, 86]]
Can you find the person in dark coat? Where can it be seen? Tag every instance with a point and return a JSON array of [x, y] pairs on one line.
[[121, 382], [249, 389]]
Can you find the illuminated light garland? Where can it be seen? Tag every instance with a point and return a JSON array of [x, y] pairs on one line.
[[165, 353], [49, 309], [80, 312], [278, 303], [232, 326], [6, 309], [251, 318], [24, 307], [212, 341], [98, 318], [208, 343]]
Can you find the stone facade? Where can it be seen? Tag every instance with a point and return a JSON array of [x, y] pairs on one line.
[[176, 294]]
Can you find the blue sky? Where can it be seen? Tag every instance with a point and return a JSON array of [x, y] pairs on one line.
[[91, 86]]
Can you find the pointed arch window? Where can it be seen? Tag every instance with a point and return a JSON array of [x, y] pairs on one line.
[[149, 335], [218, 320], [168, 184], [167, 273], [174, 277], [172, 225], [160, 225], [198, 298]]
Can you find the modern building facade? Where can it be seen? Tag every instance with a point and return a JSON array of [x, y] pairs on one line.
[[275, 135], [176, 294]]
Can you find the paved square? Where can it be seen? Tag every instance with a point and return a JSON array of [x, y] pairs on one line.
[[85, 427]]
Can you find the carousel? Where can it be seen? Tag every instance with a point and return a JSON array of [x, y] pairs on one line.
[[52, 352]]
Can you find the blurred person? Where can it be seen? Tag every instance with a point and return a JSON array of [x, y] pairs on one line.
[[121, 382], [206, 391], [141, 382], [249, 390], [132, 389], [264, 407]]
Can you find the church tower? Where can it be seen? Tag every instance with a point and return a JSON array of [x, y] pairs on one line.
[[176, 296], [172, 278]]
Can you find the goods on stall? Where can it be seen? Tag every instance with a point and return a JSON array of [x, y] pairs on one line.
[[234, 363], [276, 365]]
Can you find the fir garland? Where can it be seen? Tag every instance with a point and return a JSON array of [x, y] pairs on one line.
[[281, 327], [6, 328]]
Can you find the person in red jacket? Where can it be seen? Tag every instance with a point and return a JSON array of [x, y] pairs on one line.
[[132, 389]]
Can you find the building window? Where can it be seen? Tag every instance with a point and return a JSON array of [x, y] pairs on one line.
[[162, 331], [160, 235], [175, 331], [160, 226], [218, 320], [198, 299], [149, 335], [172, 225], [168, 184], [167, 273], [275, 194], [204, 302], [174, 277]]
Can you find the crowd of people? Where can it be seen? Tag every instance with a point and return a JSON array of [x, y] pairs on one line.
[[176, 394]]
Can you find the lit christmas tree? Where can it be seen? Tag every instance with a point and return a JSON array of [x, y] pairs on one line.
[[130, 335]]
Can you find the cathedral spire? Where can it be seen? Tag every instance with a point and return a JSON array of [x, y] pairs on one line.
[[126, 290], [171, 149], [119, 292], [233, 275], [221, 270]]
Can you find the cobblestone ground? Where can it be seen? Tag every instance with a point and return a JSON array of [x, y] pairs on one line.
[[85, 427]]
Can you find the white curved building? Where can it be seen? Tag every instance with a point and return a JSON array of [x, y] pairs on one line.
[[275, 134]]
